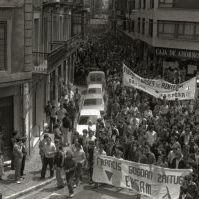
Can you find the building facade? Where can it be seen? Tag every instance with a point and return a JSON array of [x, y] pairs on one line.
[[166, 32], [15, 69], [58, 30]]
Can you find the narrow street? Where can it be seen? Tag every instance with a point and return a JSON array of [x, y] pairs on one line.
[[84, 191]]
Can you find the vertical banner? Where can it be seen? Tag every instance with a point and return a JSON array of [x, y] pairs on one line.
[[150, 181]]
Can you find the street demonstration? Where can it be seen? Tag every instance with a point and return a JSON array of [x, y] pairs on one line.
[[128, 126]]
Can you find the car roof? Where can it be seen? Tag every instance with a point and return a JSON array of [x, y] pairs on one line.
[[93, 72], [90, 112], [93, 96], [95, 86]]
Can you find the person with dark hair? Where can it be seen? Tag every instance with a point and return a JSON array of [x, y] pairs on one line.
[[41, 147], [59, 163], [13, 140], [69, 167], [18, 156], [66, 127], [189, 189]]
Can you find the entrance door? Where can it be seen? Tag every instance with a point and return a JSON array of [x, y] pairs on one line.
[[6, 121]]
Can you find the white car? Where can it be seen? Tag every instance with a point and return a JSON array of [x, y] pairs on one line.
[[95, 89], [85, 116], [94, 101]]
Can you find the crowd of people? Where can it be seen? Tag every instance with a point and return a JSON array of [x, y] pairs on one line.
[[142, 128], [136, 127]]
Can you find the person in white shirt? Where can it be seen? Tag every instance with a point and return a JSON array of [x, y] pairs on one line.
[[61, 113], [49, 152], [151, 136], [80, 159]]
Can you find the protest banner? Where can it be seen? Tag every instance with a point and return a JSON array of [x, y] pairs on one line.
[[160, 88], [150, 181]]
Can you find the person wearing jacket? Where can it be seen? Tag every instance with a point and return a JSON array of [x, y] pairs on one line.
[[59, 163], [69, 167], [18, 156]]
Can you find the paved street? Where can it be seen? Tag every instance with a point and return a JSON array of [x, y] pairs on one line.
[[84, 191]]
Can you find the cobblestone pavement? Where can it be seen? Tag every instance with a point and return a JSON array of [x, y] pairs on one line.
[[8, 185]]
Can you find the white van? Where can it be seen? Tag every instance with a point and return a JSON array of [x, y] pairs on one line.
[[96, 77]]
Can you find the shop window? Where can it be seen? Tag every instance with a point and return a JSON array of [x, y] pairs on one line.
[[3, 45]]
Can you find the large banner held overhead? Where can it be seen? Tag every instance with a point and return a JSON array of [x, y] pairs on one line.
[[160, 88], [150, 181]]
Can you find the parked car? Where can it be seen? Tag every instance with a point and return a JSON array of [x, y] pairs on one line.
[[85, 116]]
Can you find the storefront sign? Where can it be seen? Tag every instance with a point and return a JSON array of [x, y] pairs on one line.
[[150, 181], [160, 88], [170, 52]]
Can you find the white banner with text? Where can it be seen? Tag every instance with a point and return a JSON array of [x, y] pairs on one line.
[[160, 88], [150, 181]]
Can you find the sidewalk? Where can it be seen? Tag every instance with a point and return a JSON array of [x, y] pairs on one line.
[[8, 187]]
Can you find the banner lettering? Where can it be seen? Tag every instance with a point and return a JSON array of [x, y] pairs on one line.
[[148, 180], [160, 88]]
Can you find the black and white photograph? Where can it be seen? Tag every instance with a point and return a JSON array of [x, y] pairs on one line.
[[99, 99]]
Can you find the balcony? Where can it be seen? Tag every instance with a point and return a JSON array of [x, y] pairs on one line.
[[40, 62], [45, 62]]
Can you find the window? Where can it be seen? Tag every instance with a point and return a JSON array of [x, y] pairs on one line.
[[94, 91], [36, 35], [151, 3], [139, 4], [55, 29], [166, 29], [92, 102], [144, 4], [3, 45], [45, 34], [138, 25], [143, 26], [166, 3], [185, 30], [178, 30], [151, 27], [133, 26], [84, 119]]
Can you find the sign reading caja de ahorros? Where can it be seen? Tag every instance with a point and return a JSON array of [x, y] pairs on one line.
[[150, 181], [158, 87], [178, 53]]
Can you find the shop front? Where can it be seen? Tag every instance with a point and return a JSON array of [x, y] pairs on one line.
[[7, 123], [187, 61]]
